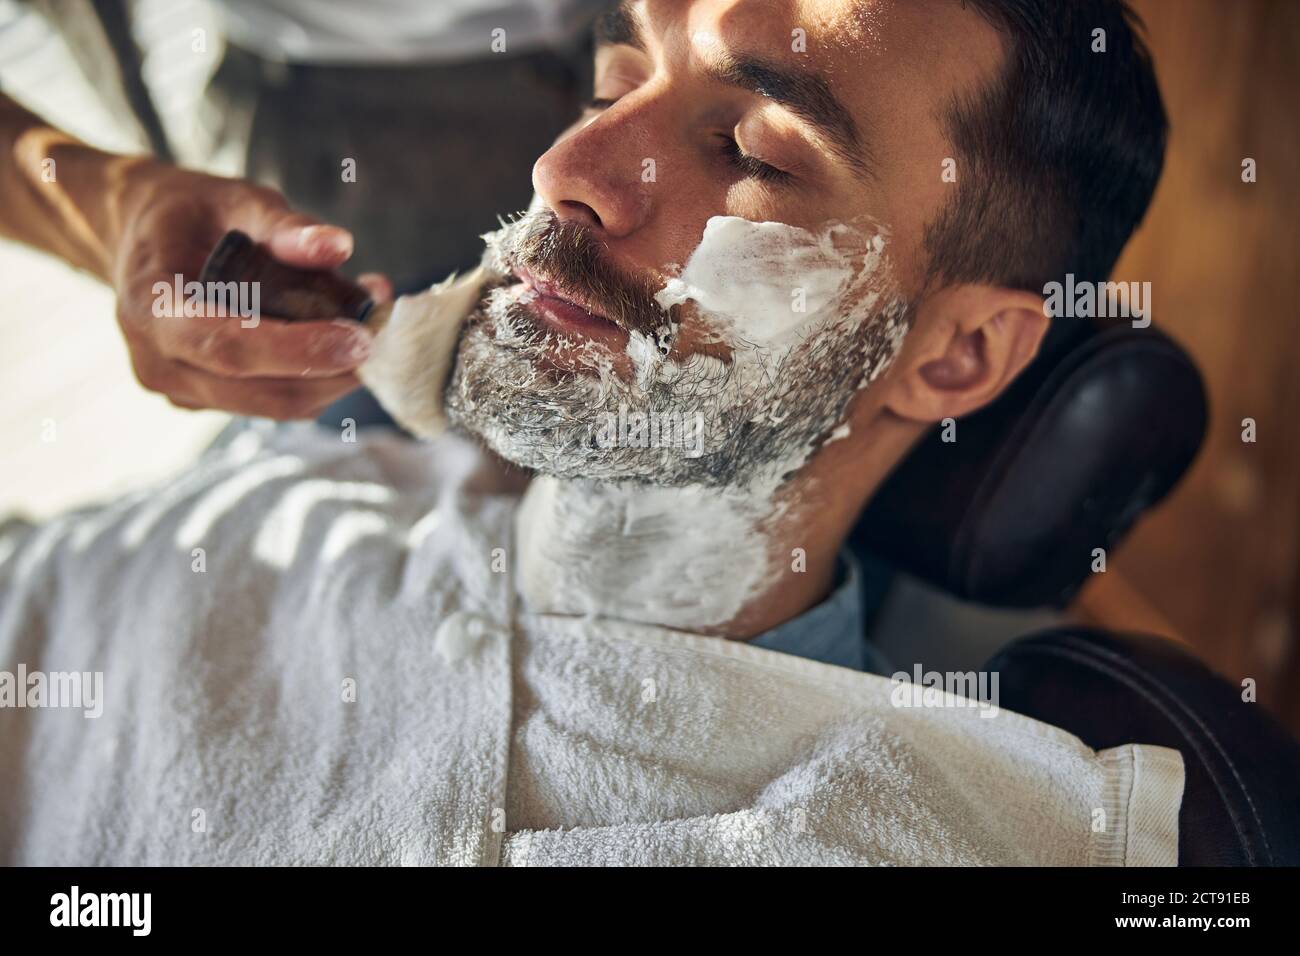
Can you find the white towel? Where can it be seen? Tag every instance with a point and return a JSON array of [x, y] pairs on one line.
[[639, 745], [312, 653]]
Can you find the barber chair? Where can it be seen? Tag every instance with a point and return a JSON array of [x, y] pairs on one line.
[[1098, 429]]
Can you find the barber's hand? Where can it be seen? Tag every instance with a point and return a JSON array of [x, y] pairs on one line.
[[171, 219]]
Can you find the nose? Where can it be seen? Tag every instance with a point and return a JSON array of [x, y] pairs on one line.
[[593, 176]]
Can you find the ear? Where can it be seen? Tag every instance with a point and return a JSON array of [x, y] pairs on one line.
[[970, 343]]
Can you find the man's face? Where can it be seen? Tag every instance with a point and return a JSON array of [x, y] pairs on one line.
[[642, 282]]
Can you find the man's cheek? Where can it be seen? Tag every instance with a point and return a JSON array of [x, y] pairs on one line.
[[696, 335], [768, 284]]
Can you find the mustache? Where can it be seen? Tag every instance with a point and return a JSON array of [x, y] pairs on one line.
[[567, 255]]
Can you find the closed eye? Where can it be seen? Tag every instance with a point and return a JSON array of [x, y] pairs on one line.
[[751, 165], [731, 151]]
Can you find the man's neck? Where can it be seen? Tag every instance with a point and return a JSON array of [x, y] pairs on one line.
[[715, 561]]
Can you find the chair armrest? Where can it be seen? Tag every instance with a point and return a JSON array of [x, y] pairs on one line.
[[1241, 800]]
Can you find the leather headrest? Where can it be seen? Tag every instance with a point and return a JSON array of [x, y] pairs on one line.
[[1097, 429]]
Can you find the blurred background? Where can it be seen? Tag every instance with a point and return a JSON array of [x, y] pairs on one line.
[[1217, 566], [75, 426]]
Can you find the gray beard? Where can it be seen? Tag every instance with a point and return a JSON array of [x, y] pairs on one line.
[[760, 416]]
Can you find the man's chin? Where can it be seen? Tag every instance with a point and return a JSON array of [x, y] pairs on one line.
[[559, 423], [691, 424]]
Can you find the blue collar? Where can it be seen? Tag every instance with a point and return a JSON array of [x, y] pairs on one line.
[[834, 631]]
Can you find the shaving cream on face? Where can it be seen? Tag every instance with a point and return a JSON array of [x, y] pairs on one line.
[[805, 320], [765, 289], [639, 553], [647, 534], [765, 281]]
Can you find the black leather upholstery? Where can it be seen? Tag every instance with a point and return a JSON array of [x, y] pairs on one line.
[[1241, 803], [1099, 427]]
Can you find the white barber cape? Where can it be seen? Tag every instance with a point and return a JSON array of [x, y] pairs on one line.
[[311, 653]]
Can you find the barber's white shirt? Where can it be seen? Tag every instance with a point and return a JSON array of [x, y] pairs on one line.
[[312, 652], [404, 31]]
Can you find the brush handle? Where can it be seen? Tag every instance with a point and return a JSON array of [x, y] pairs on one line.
[[285, 292]]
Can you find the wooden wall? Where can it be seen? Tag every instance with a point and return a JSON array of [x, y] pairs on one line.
[[1218, 565]]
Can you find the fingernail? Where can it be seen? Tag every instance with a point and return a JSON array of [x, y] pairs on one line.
[[321, 239], [354, 347], [374, 283]]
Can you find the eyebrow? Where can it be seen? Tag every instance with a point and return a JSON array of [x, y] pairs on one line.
[[620, 25], [805, 94]]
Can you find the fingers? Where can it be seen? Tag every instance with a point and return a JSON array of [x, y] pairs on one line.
[[378, 285], [229, 348], [299, 240], [280, 398], [246, 365]]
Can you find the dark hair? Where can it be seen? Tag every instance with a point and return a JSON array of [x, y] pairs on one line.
[[1058, 157]]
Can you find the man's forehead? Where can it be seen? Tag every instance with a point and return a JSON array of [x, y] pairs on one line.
[[856, 26], [852, 44], [856, 21], [851, 25]]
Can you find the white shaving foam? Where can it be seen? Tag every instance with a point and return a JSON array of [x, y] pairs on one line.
[[694, 557], [688, 558], [746, 276]]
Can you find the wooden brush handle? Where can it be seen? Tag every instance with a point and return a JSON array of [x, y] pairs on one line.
[[285, 292]]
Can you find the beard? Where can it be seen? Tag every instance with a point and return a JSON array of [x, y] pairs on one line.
[[753, 418]]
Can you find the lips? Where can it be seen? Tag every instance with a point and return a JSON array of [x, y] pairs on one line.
[[563, 311]]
